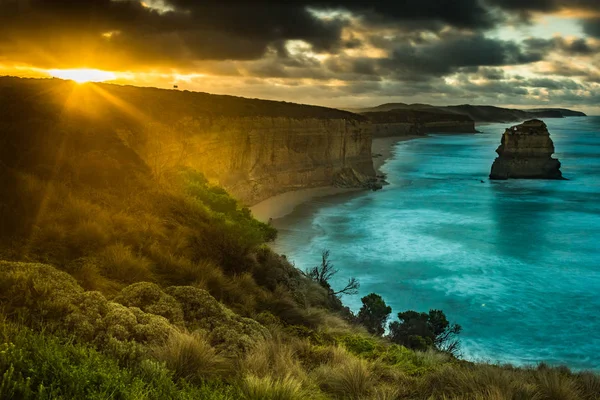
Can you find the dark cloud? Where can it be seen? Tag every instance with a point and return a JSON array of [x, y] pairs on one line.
[[579, 46], [43, 30], [554, 84], [446, 56], [591, 26], [545, 5], [492, 74], [189, 30]]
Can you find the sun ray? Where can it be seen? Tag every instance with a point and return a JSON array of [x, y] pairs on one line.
[[83, 75]]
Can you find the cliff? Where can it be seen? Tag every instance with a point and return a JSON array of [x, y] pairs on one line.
[[479, 113], [258, 157], [253, 148], [406, 122], [526, 153]]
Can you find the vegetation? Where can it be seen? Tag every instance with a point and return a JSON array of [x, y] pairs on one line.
[[374, 314], [323, 273], [420, 331], [121, 280]]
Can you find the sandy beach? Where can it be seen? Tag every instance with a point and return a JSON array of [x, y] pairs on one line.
[[279, 206], [385, 147]]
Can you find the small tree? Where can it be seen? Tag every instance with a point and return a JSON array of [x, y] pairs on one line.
[[420, 331], [374, 314], [323, 273]]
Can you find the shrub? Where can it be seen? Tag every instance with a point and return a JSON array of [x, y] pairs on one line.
[[95, 319], [36, 291], [38, 366], [374, 314], [229, 332], [151, 299], [422, 330]]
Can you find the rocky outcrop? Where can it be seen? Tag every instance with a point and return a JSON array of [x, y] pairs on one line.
[[526, 153], [351, 178]]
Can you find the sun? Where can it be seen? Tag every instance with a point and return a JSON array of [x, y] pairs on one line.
[[83, 75]]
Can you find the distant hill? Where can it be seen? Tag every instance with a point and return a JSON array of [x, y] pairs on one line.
[[479, 113], [564, 111]]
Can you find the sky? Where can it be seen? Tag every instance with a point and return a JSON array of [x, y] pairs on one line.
[[516, 53]]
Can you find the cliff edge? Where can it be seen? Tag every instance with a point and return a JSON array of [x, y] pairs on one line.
[[526, 153], [253, 148]]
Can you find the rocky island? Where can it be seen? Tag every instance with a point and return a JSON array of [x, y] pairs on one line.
[[526, 153]]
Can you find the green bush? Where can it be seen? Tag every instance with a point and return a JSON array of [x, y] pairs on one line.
[[38, 366], [151, 299]]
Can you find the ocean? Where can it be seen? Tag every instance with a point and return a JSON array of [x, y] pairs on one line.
[[516, 263]]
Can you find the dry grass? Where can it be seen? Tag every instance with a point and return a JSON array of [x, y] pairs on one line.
[[589, 385], [274, 358], [268, 388], [553, 385], [191, 357], [345, 376], [121, 264]]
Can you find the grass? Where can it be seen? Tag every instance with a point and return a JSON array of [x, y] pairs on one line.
[[346, 376], [269, 388], [191, 357]]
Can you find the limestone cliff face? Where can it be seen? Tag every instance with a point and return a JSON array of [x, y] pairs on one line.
[[526, 153], [254, 148], [258, 157]]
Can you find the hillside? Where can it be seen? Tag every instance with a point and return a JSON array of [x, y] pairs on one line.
[[125, 275], [401, 122], [479, 113]]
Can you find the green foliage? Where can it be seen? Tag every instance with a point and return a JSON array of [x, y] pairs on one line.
[[408, 361], [38, 366], [374, 314], [228, 331], [151, 299], [420, 331]]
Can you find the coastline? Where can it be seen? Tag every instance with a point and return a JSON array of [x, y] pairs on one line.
[[282, 205]]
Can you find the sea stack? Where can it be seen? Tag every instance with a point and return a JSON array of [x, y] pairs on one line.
[[526, 153]]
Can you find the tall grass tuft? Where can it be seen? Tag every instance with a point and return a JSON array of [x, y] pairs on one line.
[[191, 357], [268, 388], [273, 358], [346, 376], [553, 385], [121, 264]]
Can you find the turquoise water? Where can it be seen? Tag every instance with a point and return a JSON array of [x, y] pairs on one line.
[[516, 263]]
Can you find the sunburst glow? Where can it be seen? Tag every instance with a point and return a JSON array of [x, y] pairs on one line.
[[83, 75]]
